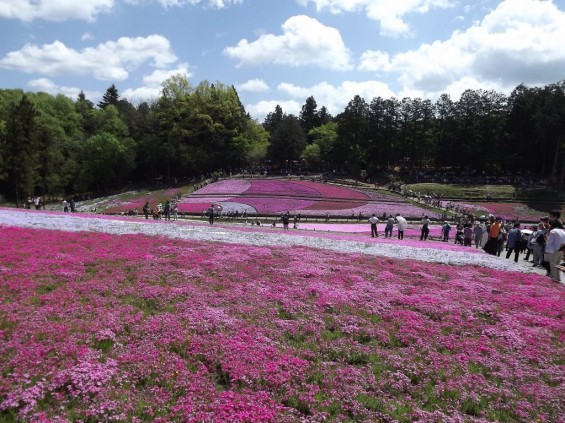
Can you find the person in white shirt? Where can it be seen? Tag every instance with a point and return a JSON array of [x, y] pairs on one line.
[[401, 225], [553, 252], [373, 220]]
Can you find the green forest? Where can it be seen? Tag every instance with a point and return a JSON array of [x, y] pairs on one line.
[[54, 145]]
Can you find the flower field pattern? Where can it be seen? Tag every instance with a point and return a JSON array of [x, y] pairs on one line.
[[99, 327], [272, 196]]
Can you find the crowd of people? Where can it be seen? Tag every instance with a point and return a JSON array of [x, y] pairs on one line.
[[545, 242]]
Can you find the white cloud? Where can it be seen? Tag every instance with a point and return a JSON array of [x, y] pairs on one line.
[[334, 98], [215, 4], [389, 13], [151, 88], [88, 10], [261, 109], [54, 10], [111, 61], [87, 36], [304, 41], [254, 85], [519, 41], [377, 61], [48, 86]]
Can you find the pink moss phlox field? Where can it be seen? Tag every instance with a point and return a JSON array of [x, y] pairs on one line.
[[511, 210], [137, 202], [272, 196], [98, 327]]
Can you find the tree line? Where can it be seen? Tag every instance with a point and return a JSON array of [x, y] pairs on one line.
[[53, 145]]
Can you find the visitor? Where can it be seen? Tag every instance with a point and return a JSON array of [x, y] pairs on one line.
[[167, 210], [285, 219], [373, 220], [425, 228], [459, 234], [539, 244], [389, 226], [210, 214], [478, 231], [146, 210], [401, 224], [468, 235], [491, 246], [553, 252], [530, 243], [513, 244], [445, 229]]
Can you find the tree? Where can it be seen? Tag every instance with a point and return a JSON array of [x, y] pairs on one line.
[[102, 154], [252, 142], [311, 155], [110, 97], [287, 141], [325, 137], [309, 118], [21, 148], [324, 116], [353, 136], [445, 145], [273, 119]]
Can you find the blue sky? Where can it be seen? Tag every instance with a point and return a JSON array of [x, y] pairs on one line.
[[282, 51]]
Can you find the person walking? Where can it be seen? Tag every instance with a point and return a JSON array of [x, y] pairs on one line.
[[373, 220], [146, 210], [513, 243]]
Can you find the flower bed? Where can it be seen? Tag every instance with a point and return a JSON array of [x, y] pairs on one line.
[[511, 210], [98, 327], [225, 186], [271, 196]]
